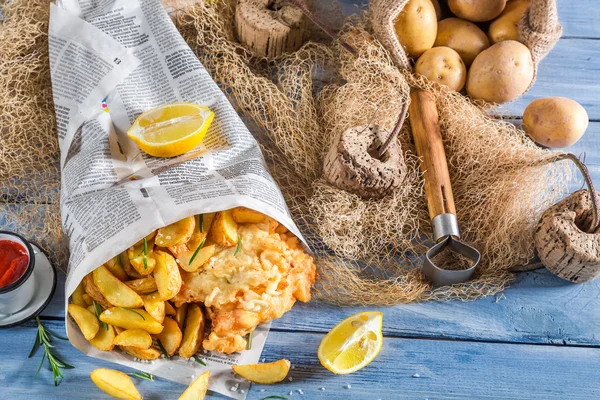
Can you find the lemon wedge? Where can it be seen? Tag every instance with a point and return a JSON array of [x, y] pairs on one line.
[[352, 344], [172, 129]]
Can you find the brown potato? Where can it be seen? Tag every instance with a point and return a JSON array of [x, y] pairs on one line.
[[166, 273], [193, 333], [506, 26], [115, 267], [92, 290], [169, 309], [116, 292], [142, 354], [171, 336], [115, 383], [265, 374], [243, 215], [477, 10], [438, 9], [143, 285], [501, 73], [131, 319], [555, 122], [197, 389], [444, 66], [181, 314], [138, 338], [179, 232], [203, 224], [224, 230], [86, 321], [155, 306], [462, 36], [104, 339], [416, 27], [142, 258]]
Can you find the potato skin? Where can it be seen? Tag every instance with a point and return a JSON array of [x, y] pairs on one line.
[[477, 10], [501, 73], [506, 26], [416, 27], [555, 122], [444, 66], [462, 36]]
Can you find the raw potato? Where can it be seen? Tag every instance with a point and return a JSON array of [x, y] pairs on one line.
[[203, 224], [147, 354], [166, 273], [224, 230], [501, 73], [444, 66], [86, 320], [155, 306], [265, 374], [77, 296], [243, 215], [116, 268], [438, 9], [136, 258], [137, 338], [143, 285], [203, 255], [179, 232], [131, 319], [181, 314], [477, 10], [462, 36], [169, 309], [555, 121], [197, 389], [115, 383], [171, 336], [92, 290], [194, 331], [104, 339], [116, 292], [416, 27], [506, 26]]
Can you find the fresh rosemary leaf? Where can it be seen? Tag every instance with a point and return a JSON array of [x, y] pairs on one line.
[[201, 223], [199, 361], [118, 261], [239, 245], [36, 345], [133, 311], [196, 252], [162, 350], [40, 367], [43, 338], [102, 324], [143, 375], [249, 347], [145, 254], [58, 336]]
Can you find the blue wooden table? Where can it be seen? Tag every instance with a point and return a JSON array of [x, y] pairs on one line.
[[540, 339]]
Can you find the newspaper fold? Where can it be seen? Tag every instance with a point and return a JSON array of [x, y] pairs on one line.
[[110, 61]]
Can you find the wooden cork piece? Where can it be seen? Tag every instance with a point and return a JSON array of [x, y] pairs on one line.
[[352, 163], [270, 28], [562, 243]]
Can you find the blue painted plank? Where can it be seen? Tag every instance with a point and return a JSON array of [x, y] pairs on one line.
[[446, 370]]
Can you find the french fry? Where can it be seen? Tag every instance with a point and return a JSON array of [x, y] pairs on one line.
[[115, 266], [138, 338], [203, 224], [104, 338], [177, 233], [155, 306], [193, 332], [115, 383], [92, 290], [141, 257], [166, 273], [224, 230], [191, 260], [147, 354], [171, 336], [85, 320], [243, 215], [181, 314], [77, 296], [145, 285], [197, 389], [116, 292], [169, 309], [131, 319], [265, 374]]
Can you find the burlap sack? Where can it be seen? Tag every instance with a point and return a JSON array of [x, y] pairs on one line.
[[539, 29]]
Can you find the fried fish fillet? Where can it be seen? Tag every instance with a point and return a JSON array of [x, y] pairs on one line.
[[257, 284]]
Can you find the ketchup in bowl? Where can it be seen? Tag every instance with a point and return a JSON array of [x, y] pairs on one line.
[[13, 262]]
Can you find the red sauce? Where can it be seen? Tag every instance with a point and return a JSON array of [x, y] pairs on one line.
[[13, 261]]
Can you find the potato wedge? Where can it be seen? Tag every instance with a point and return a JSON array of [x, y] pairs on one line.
[[85, 320], [244, 215], [166, 273], [116, 292], [129, 270], [224, 230], [203, 224], [115, 266], [171, 336], [77, 296], [145, 285], [181, 314], [178, 232], [169, 309], [193, 333], [87, 299], [148, 238], [191, 260], [265, 374], [104, 339], [197, 389], [92, 290], [115, 383], [142, 258], [131, 319], [138, 338], [118, 329], [155, 306], [147, 354]]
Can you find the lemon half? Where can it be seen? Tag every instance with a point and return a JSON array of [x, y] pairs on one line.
[[353, 343], [172, 129]]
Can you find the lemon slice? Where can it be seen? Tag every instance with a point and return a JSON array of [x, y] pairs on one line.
[[172, 129], [352, 344]]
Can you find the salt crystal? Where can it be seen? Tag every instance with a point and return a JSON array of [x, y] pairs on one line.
[[348, 386], [290, 379], [300, 391], [322, 389], [107, 312], [242, 391], [262, 390], [290, 393], [168, 237], [263, 360], [192, 376], [416, 376], [233, 389]]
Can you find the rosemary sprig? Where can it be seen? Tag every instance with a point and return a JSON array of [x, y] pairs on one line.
[[118, 261], [249, 347], [44, 338], [102, 324], [196, 252], [145, 254], [133, 311], [163, 351], [143, 375], [199, 361], [239, 245], [201, 223]]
